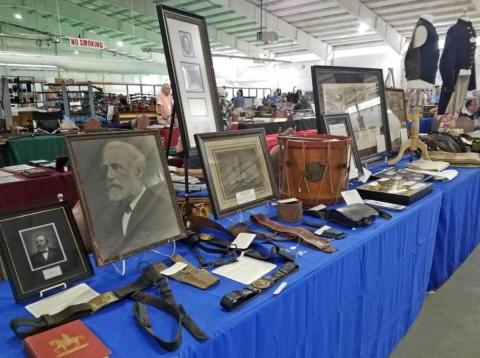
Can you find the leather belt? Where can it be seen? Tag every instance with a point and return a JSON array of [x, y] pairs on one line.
[[235, 299], [222, 247], [306, 236], [166, 302], [26, 326]]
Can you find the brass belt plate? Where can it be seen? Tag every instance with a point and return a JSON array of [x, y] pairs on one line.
[[103, 300]]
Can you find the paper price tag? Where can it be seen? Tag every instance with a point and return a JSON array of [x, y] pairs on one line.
[[380, 143], [318, 207], [245, 196], [172, 270], [242, 241], [366, 175], [286, 201], [352, 197], [320, 231]]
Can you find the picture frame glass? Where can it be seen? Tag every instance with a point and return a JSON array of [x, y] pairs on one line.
[[191, 72], [397, 115], [340, 125], [359, 93], [42, 248], [235, 164], [126, 192]]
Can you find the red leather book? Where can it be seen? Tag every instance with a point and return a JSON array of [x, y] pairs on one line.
[[72, 340]]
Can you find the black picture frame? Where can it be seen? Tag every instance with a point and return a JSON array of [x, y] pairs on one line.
[[155, 218], [366, 79], [177, 25], [256, 174], [324, 121], [394, 98], [24, 233]]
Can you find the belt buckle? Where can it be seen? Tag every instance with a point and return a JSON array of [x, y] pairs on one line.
[[101, 301], [261, 284]]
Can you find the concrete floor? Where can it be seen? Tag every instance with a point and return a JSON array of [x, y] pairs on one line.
[[449, 324]]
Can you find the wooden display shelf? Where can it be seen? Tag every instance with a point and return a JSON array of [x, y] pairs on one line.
[[128, 116]]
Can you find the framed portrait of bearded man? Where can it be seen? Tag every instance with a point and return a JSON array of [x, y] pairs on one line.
[[126, 192]]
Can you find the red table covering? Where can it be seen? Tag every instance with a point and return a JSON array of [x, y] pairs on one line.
[[32, 192], [272, 139]]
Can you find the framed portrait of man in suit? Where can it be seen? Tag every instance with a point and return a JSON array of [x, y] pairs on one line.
[[126, 192], [41, 249]]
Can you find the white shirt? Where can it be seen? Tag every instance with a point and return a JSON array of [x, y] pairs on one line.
[[126, 216], [45, 255]]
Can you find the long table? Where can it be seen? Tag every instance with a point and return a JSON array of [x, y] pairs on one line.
[[356, 302], [458, 230]]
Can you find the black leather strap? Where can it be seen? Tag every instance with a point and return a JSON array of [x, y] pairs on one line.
[[235, 299], [166, 302], [26, 326]]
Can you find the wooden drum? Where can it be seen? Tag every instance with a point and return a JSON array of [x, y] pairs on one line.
[[314, 167]]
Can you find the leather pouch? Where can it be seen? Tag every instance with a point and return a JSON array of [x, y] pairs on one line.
[[355, 215], [193, 276]]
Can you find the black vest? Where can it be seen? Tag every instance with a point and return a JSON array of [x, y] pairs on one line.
[[421, 63]]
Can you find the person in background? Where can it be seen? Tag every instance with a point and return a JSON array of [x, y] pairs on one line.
[[238, 101], [436, 95], [258, 104], [225, 107], [470, 109], [164, 105]]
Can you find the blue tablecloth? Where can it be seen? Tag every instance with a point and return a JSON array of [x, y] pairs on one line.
[[425, 125], [357, 302], [458, 230]]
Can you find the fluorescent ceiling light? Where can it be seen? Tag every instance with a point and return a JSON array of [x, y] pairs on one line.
[[120, 43], [362, 28], [18, 16], [27, 65]]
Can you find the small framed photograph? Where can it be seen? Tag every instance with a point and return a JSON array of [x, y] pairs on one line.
[[339, 124], [237, 168], [360, 93], [190, 68], [42, 248], [397, 115], [187, 44], [126, 192]]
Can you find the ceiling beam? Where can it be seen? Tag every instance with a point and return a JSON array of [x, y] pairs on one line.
[[391, 36], [148, 8], [272, 22]]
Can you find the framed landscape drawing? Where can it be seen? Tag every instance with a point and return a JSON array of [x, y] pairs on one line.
[[238, 169], [397, 115], [126, 192], [189, 63], [360, 93]]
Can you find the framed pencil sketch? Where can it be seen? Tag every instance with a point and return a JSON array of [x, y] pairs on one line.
[[126, 192], [360, 93], [189, 63], [397, 115], [42, 248], [237, 168], [339, 124]]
